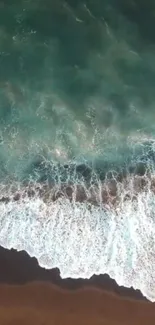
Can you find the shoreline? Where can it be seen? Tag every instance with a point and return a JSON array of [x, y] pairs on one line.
[[38, 215], [25, 269]]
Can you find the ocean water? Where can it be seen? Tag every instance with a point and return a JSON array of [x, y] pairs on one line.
[[77, 110]]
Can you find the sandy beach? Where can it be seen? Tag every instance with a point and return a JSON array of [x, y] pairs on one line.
[[32, 295]]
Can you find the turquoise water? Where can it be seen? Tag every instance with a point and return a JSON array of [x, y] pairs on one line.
[[76, 83]]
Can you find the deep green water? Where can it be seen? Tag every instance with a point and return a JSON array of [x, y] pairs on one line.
[[77, 82]]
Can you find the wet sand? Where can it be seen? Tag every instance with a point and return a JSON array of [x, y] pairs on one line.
[[30, 294]]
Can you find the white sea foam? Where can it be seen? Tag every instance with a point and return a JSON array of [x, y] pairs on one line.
[[82, 240]]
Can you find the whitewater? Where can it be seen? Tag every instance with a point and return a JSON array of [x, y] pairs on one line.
[[83, 238]]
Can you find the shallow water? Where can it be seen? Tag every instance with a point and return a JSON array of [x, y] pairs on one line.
[[76, 107]]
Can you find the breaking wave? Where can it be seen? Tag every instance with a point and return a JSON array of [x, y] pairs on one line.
[[93, 225]]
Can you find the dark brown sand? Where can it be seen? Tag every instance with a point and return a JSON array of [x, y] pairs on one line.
[[32, 295]]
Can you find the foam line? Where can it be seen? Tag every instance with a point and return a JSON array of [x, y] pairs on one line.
[[83, 239]]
